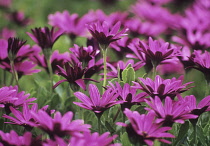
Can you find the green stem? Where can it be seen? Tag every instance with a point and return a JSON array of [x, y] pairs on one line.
[[14, 73], [105, 67], [98, 115], [154, 71], [116, 115], [207, 88]]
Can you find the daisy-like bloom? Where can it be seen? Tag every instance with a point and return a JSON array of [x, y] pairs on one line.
[[201, 62], [22, 118], [104, 34], [128, 95], [14, 45], [171, 112], [15, 99], [71, 24], [19, 18], [193, 107], [158, 51], [5, 3], [162, 88], [94, 139], [13, 139], [96, 102], [6, 33], [45, 37], [83, 54], [73, 73], [143, 130], [59, 125]]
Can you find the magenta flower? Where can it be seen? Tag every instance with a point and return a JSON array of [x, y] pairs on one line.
[[105, 35], [201, 62], [23, 118], [169, 113], [94, 139], [5, 3], [45, 37], [19, 18], [162, 88], [193, 107], [96, 102], [14, 98], [59, 125], [73, 74], [143, 130], [6, 33], [13, 139], [83, 54], [128, 94], [158, 51], [71, 25]]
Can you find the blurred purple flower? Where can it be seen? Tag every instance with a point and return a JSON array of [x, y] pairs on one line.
[[13, 139], [169, 113], [44, 37], [96, 102], [59, 125], [73, 73], [6, 33], [19, 18], [128, 94], [104, 34], [143, 130], [162, 88], [14, 98], [5, 3]]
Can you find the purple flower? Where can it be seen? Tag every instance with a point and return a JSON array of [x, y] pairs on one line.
[[72, 25], [73, 74], [105, 35], [12, 138], [143, 130], [19, 18], [5, 3], [23, 118], [83, 54], [158, 51], [169, 113], [45, 37], [201, 62], [59, 125], [128, 94], [14, 98], [94, 139], [6, 33], [196, 109], [96, 102], [162, 88]]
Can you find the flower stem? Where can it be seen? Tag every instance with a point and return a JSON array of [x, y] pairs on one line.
[[98, 115], [14, 73], [104, 51], [154, 70]]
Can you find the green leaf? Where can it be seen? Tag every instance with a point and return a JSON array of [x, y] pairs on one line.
[[201, 135], [109, 127], [128, 75], [125, 140], [182, 133]]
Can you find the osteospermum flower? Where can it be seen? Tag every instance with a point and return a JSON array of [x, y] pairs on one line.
[[14, 98], [22, 118], [162, 88], [158, 51], [96, 102], [128, 94], [171, 112], [59, 125], [73, 74], [201, 62], [13, 139], [105, 35], [45, 37], [143, 130]]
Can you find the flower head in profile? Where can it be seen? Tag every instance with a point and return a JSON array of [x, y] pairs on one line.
[[162, 88], [201, 62], [128, 94], [104, 34], [158, 51], [14, 45], [59, 125], [45, 37], [142, 129], [11, 97], [73, 73], [96, 102], [171, 112], [12, 139]]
